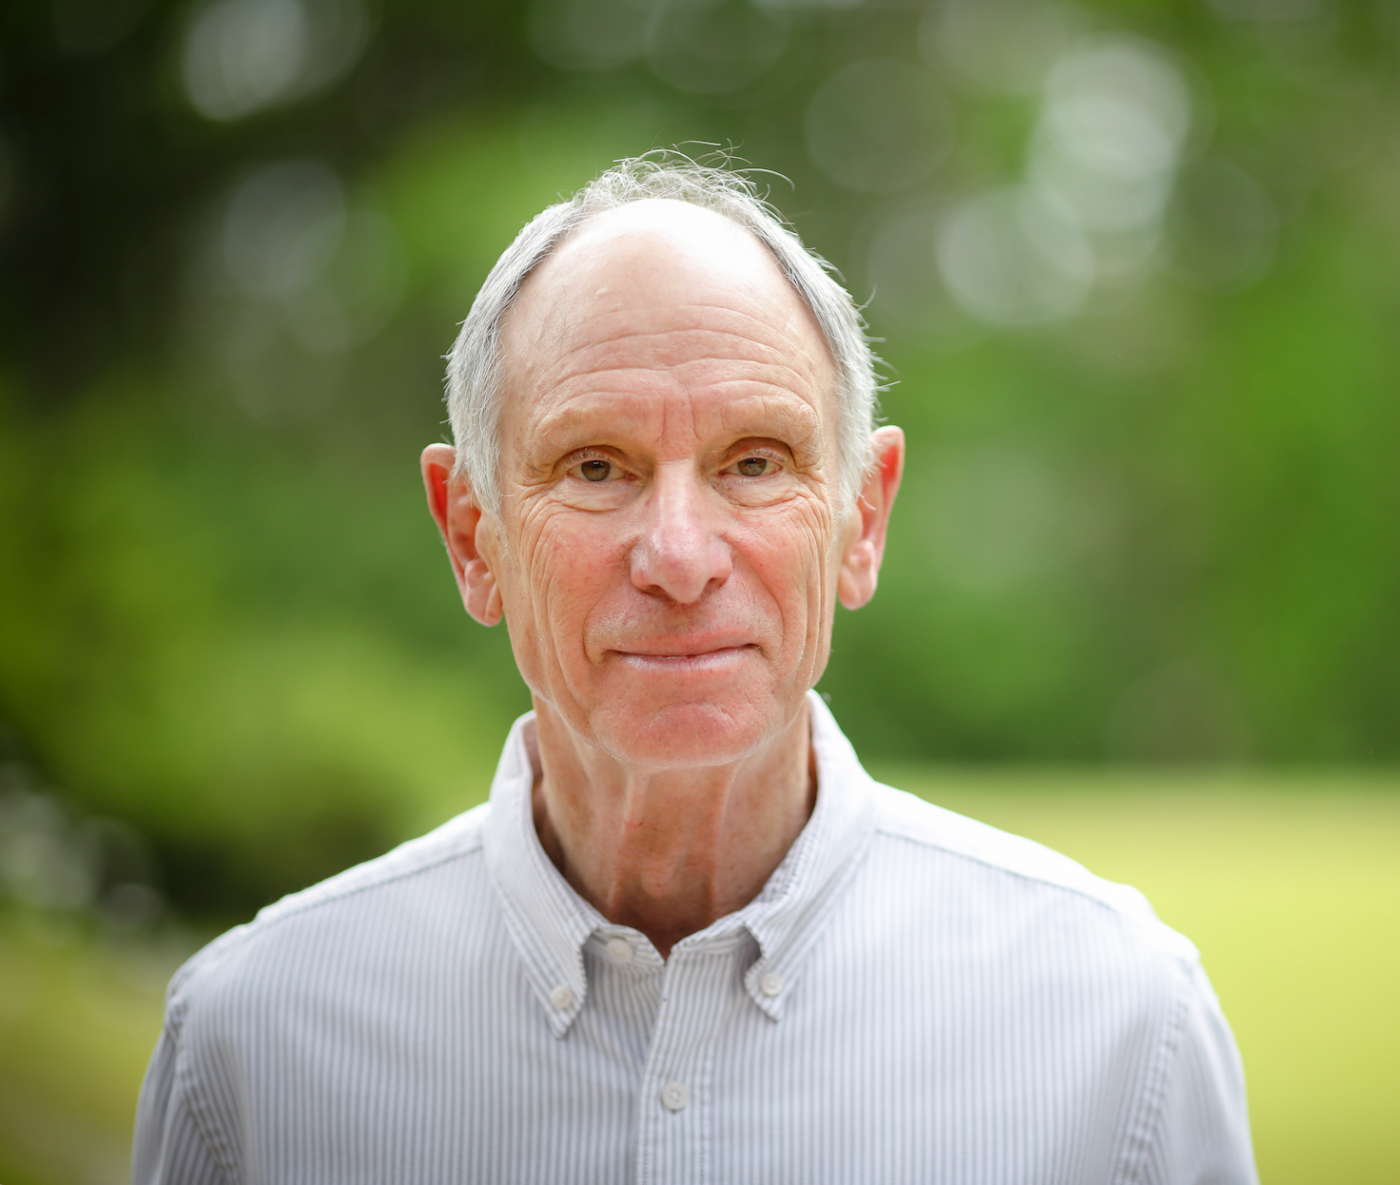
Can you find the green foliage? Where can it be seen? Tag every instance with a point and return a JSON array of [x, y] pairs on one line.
[[254, 723], [78, 1020], [1157, 525]]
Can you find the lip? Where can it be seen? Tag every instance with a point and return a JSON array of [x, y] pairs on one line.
[[684, 655]]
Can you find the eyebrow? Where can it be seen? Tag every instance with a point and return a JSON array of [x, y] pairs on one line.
[[798, 423], [603, 417]]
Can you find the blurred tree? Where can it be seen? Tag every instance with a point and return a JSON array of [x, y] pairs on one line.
[[1134, 265], [107, 155]]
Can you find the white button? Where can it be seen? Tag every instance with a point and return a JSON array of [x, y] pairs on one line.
[[674, 1096], [771, 984], [619, 950], [562, 998]]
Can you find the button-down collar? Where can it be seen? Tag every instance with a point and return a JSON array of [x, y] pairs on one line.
[[550, 923]]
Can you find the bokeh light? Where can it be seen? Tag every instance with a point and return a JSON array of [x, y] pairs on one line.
[[590, 34], [878, 126], [296, 272], [1132, 273], [1010, 256], [714, 47], [241, 56], [997, 45], [1226, 227]]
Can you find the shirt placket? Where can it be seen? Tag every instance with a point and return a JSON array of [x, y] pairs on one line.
[[674, 1136]]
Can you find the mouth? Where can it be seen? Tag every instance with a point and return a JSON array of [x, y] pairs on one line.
[[686, 656]]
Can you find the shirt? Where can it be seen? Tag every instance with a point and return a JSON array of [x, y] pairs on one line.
[[913, 996]]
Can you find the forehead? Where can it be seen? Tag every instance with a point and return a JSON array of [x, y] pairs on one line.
[[655, 293]]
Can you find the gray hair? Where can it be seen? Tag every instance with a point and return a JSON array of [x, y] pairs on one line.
[[474, 365]]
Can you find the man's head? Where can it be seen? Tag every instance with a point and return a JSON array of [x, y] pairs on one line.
[[474, 389], [672, 516]]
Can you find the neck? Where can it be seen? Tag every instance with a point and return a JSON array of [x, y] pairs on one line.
[[669, 851]]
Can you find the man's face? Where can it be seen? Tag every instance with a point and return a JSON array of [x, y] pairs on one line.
[[670, 528]]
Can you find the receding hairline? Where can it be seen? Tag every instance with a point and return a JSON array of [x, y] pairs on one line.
[[664, 218], [474, 371]]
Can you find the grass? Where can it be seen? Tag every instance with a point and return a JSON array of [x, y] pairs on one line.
[[79, 1016], [1291, 889], [1292, 894]]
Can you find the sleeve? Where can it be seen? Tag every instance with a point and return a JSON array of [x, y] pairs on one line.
[[1201, 1135], [169, 1147]]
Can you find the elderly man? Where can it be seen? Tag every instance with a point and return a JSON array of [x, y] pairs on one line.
[[688, 939]]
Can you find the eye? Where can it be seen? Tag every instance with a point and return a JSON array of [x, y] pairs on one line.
[[754, 466], [595, 470]]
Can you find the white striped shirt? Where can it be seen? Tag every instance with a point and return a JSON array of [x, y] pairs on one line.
[[912, 997]]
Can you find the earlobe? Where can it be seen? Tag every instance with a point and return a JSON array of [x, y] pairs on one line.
[[480, 593], [865, 544], [465, 530]]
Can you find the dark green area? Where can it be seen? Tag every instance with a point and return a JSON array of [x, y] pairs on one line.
[[1160, 529]]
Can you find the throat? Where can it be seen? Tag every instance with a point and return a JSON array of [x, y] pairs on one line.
[[670, 852]]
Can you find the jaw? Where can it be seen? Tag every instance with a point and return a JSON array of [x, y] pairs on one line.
[[688, 755], [678, 713]]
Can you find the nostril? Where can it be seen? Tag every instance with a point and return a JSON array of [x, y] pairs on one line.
[[681, 568]]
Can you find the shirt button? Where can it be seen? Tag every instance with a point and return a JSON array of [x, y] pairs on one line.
[[562, 998], [619, 950], [771, 984], [674, 1096]]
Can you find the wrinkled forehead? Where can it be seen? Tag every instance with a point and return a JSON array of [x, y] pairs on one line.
[[660, 269]]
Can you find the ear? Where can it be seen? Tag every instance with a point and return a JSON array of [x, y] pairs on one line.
[[865, 538], [465, 529]]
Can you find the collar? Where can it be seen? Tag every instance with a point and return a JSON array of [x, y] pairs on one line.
[[550, 923]]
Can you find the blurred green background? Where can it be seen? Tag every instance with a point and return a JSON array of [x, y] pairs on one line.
[[1135, 268]]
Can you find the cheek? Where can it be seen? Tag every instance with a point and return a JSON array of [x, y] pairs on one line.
[[793, 560], [567, 564]]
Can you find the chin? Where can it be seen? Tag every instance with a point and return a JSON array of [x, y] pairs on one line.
[[686, 734]]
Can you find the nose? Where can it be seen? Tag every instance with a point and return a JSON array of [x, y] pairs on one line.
[[679, 553]]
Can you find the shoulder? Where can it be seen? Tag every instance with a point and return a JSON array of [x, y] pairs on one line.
[[1008, 874], [358, 905], [1078, 974]]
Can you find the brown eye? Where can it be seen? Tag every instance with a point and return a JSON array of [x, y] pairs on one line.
[[753, 466], [595, 470]]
